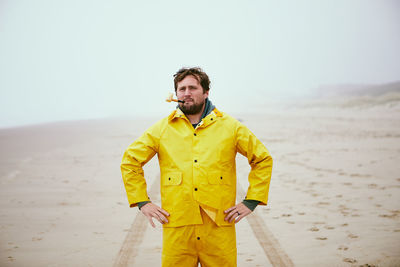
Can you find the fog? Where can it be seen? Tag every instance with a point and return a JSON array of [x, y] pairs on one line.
[[68, 60]]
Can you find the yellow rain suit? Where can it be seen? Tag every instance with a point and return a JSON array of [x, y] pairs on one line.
[[198, 169]]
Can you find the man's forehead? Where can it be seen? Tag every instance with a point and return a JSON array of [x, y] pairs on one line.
[[189, 78]]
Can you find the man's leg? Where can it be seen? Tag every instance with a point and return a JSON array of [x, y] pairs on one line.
[[179, 247], [216, 245]]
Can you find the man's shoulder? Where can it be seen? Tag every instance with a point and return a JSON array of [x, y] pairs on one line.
[[158, 125], [234, 122], [226, 117]]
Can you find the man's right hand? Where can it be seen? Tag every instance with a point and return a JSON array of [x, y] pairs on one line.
[[151, 211]]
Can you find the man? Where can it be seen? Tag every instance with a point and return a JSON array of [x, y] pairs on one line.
[[196, 147]]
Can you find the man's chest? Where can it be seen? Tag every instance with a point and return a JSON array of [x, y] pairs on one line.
[[213, 142]]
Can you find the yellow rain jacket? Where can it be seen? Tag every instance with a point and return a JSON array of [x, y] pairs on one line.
[[197, 166]]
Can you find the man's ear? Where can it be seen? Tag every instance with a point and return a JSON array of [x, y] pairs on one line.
[[206, 93]]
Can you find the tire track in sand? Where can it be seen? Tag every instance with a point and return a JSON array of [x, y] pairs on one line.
[[130, 246], [272, 249]]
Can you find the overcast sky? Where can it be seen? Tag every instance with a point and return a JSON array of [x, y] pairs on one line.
[[89, 59]]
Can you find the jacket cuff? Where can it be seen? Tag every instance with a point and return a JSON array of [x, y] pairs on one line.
[[141, 204], [251, 204]]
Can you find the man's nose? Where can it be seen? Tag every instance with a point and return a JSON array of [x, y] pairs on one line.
[[187, 92]]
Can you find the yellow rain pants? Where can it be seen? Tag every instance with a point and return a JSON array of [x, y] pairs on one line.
[[207, 244]]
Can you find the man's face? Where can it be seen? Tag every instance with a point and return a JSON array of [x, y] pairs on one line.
[[190, 91]]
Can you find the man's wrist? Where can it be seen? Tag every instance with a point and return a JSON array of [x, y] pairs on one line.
[[251, 204], [141, 204]]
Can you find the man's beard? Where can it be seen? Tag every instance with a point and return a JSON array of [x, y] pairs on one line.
[[192, 109]]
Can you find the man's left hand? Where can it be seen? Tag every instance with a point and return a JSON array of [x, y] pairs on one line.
[[237, 213]]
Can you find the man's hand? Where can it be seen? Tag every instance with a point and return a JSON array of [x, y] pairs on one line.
[[237, 213], [151, 211]]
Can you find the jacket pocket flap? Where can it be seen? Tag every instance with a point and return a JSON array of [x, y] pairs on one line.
[[172, 178]]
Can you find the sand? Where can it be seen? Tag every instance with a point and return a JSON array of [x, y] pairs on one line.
[[334, 196]]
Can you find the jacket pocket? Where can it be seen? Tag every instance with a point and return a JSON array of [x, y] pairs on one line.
[[172, 178], [218, 177]]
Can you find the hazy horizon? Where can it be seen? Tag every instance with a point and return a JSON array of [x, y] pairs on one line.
[[84, 59]]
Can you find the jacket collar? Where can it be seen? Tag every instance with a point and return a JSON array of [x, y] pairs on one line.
[[178, 113]]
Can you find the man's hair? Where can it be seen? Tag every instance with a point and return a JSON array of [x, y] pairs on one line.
[[197, 73]]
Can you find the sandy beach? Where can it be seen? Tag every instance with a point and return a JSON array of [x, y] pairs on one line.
[[334, 196]]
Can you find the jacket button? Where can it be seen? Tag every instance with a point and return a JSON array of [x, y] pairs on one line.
[[198, 238], [195, 160], [195, 134], [169, 178], [221, 177], [211, 118], [195, 189]]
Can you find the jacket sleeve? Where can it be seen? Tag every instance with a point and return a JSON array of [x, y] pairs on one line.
[[137, 155], [260, 162]]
